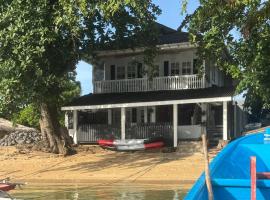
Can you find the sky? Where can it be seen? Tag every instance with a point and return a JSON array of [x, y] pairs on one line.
[[170, 17]]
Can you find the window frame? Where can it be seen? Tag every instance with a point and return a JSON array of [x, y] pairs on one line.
[[131, 70], [175, 66], [123, 74], [187, 68]]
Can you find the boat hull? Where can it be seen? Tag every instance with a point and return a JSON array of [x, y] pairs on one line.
[[230, 171], [7, 186], [131, 144]]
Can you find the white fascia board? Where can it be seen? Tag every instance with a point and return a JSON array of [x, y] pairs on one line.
[[174, 46], [153, 103]]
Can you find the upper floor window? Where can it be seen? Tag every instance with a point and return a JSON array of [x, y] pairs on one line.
[[121, 72], [131, 71], [175, 69], [186, 68]]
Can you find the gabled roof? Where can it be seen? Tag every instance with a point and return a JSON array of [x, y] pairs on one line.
[[172, 38], [168, 35], [151, 96]]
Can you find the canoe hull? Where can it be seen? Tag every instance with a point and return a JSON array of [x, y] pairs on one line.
[[7, 186], [131, 144]]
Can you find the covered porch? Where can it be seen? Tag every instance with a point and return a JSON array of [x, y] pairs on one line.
[[173, 115]]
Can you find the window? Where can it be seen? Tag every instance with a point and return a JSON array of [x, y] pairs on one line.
[[186, 68], [175, 71], [121, 70], [131, 72], [139, 70]]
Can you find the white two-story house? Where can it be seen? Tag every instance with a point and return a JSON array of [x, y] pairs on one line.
[[178, 103]]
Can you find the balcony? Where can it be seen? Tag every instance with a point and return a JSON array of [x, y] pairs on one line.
[[145, 84]]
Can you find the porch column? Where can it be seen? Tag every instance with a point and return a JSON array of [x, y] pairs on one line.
[[66, 119], [123, 123], [153, 115], [225, 120], [175, 122], [110, 116], [145, 114], [235, 120], [75, 126]]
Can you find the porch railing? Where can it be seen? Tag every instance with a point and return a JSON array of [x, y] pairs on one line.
[[149, 130], [91, 133], [145, 84]]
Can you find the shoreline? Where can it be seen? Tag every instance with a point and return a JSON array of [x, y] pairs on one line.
[[93, 165]]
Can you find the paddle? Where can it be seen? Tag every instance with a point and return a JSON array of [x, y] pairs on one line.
[[206, 166]]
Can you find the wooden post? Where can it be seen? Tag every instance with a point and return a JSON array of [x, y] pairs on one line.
[[123, 123], [175, 122], [145, 114], [153, 115], [66, 119], [206, 166], [110, 116], [75, 126], [225, 120], [253, 177]]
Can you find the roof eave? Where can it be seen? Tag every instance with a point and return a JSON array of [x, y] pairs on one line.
[[162, 47]]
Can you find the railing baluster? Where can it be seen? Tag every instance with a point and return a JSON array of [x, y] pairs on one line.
[[143, 84]]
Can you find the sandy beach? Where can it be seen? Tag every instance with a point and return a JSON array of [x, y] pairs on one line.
[[94, 165]]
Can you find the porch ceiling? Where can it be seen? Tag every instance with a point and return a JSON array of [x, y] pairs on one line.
[[151, 98]]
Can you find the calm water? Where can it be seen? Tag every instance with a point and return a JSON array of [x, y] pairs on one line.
[[117, 192]]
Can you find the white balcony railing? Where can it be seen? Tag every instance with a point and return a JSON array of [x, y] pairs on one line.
[[145, 84]]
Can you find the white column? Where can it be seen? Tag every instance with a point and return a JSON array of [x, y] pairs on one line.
[[75, 126], [235, 120], [145, 114], [225, 120], [153, 114], [204, 75], [123, 123], [110, 116], [66, 119], [175, 122]]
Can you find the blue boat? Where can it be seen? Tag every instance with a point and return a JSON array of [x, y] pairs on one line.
[[230, 170]]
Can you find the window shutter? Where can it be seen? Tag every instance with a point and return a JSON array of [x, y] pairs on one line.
[[139, 70], [166, 68], [112, 72]]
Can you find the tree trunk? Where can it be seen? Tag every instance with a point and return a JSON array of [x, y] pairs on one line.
[[57, 139]]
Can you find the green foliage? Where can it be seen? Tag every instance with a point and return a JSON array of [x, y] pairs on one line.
[[236, 33], [41, 41], [28, 116]]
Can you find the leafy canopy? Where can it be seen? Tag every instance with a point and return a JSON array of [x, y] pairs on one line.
[[41, 41], [239, 29]]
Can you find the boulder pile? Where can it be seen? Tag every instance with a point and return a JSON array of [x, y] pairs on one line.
[[21, 137]]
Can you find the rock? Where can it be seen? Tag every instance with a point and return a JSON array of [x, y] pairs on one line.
[[21, 137]]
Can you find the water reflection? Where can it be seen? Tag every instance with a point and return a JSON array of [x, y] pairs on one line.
[[117, 192]]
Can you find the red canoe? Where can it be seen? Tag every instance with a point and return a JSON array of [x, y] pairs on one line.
[[105, 142], [130, 145], [154, 145], [7, 186]]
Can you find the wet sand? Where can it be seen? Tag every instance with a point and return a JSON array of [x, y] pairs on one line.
[[93, 165]]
